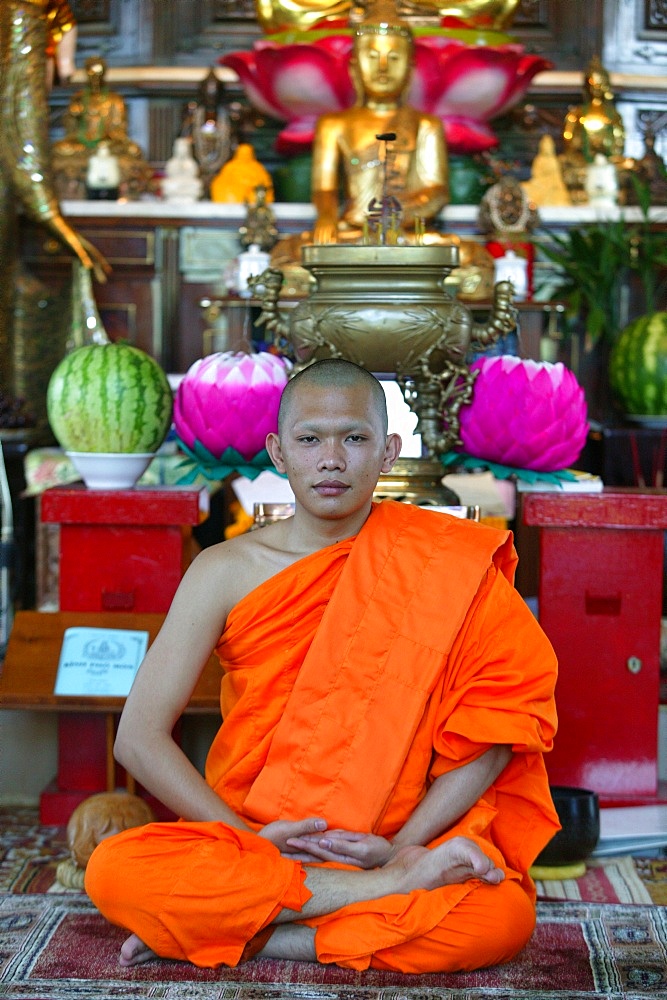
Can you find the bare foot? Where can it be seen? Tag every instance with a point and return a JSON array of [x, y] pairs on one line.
[[134, 952], [457, 860]]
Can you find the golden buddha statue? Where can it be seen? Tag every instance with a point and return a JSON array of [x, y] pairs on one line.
[[96, 115], [383, 146], [594, 127], [301, 15]]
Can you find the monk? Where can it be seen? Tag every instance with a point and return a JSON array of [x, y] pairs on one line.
[[376, 792]]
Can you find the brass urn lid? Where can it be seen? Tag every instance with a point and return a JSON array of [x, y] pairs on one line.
[[416, 480], [347, 254]]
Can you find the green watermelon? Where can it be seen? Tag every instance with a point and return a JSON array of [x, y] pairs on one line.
[[109, 398], [638, 366]]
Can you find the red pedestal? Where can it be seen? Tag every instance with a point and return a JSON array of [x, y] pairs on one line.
[[120, 550], [600, 603]]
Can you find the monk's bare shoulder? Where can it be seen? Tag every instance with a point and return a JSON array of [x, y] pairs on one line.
[[239, 565]]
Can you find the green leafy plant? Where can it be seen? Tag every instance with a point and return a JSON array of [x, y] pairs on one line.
[[596, 260]]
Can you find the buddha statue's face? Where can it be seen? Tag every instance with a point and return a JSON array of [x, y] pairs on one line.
[[383, 64]]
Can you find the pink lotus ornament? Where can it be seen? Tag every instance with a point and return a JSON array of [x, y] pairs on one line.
[[466, 78], [230, 400], [526, 414], [296, 83], [467, 86]]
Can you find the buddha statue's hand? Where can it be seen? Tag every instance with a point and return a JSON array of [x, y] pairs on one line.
[[365, 850], [325, 228], [325, 231]]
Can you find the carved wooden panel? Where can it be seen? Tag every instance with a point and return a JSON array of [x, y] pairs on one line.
[[636, 36], [532, 14], [91, 11], [656, 15], [567, 33], [121, 32], [226, 10]]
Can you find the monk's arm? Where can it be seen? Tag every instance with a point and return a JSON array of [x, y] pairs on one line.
[[450, 796], [162, 688]]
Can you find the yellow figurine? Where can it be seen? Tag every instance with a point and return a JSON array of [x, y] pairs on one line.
[[240, 176], [546, 185], [382, 145]]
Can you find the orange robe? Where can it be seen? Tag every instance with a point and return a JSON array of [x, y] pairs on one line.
[[352, 680]]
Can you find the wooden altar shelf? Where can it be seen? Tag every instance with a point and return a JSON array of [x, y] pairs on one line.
[[122, 556], [189, 78], [27, 681], [600, 603], [28, 675]]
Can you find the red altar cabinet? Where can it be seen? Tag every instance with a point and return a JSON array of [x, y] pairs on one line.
[[120, 551], [600, 603]]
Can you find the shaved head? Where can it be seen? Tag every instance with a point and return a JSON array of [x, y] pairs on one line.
[[334, 373]]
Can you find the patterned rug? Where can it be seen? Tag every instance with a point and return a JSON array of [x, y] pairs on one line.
[[58, 947], [600, 936]]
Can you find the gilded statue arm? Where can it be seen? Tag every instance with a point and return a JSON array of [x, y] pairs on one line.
[[116, 127], [324, 179], [325, 229], [427, 190], [24, 142], [283, 15], [88, 254]]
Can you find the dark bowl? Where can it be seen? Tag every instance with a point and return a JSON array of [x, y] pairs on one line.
[[579, 813]]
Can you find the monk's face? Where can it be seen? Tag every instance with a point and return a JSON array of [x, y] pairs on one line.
[[333, 448]]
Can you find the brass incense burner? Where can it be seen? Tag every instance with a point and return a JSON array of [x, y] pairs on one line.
[[386, 308]]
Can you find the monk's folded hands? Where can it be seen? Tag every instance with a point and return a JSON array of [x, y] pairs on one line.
[[289, 836], [349, 847]]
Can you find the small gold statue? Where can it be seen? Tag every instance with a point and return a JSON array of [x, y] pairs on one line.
[[355, 140], [651, 169], [546, 185], [259, 228], [290, 15], [97, 115], [594, 127]]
